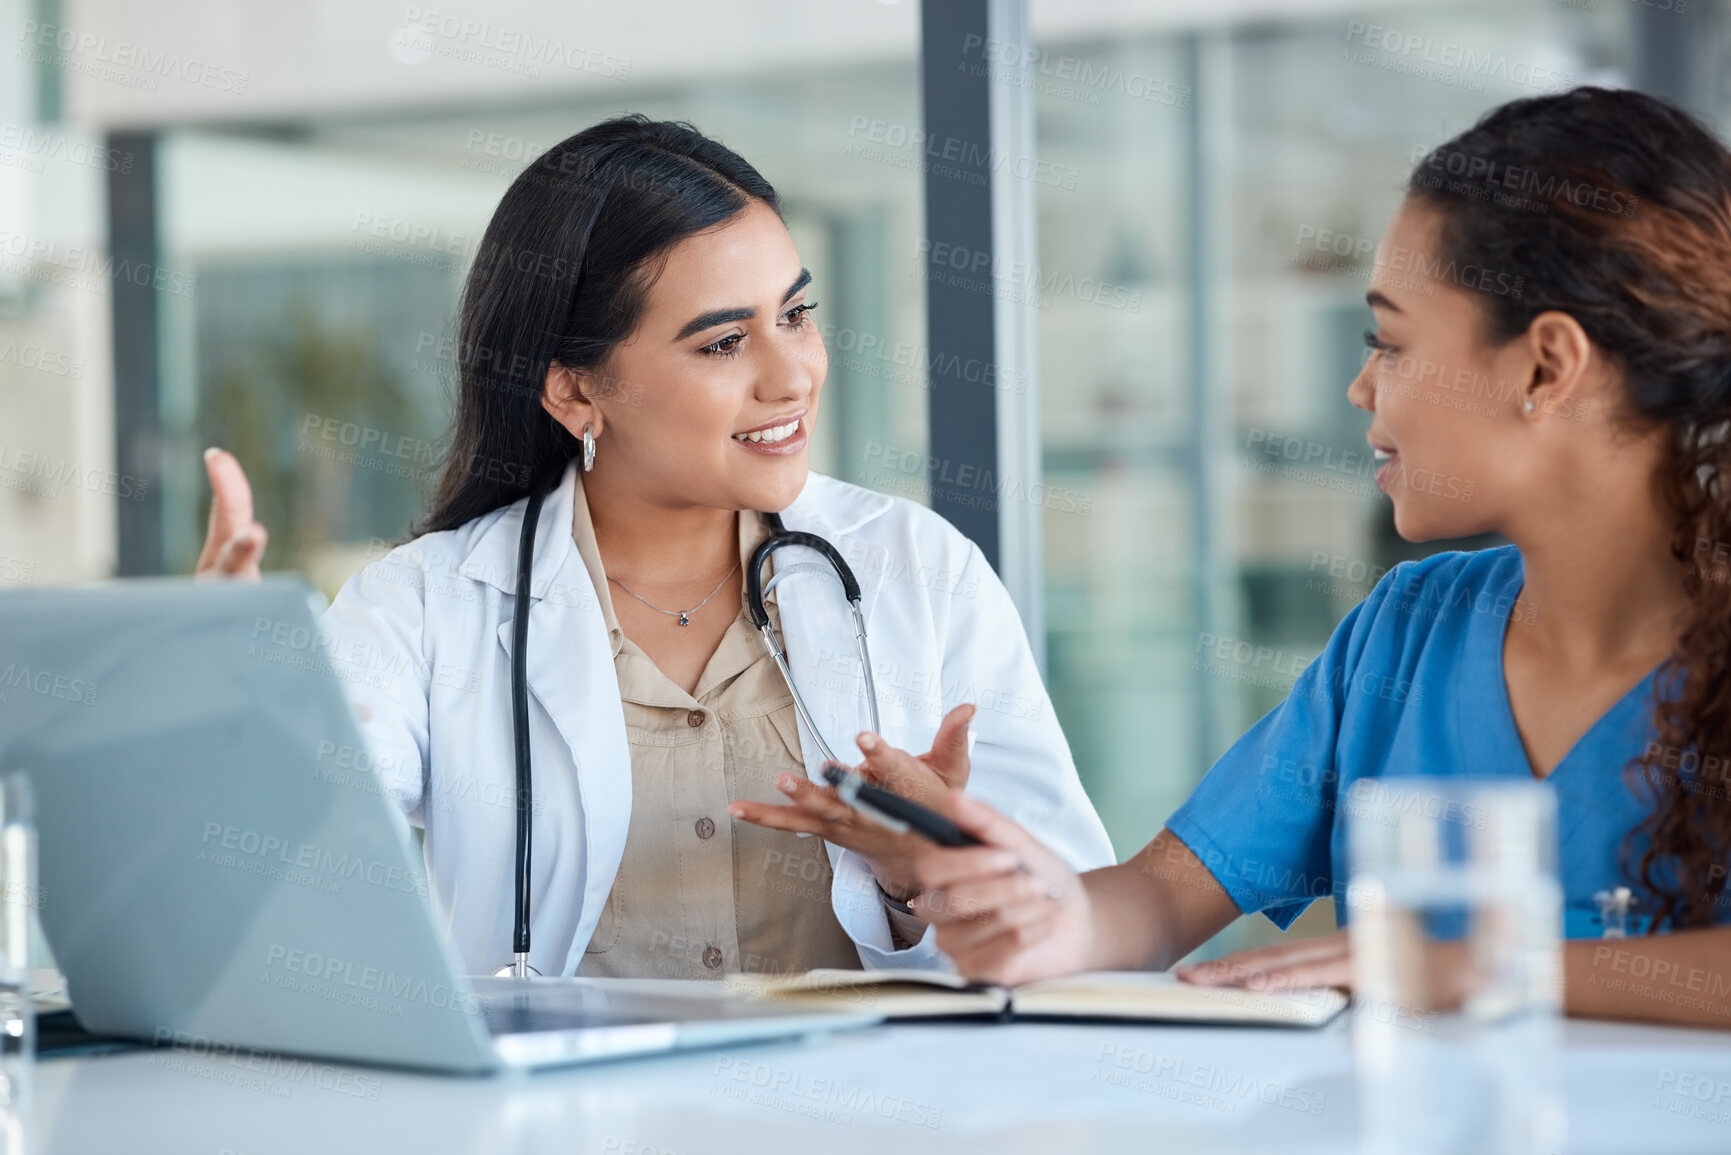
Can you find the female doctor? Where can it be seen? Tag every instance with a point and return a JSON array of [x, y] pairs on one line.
[[635, 343]]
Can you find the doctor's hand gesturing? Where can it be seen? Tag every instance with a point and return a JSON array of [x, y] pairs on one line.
[[233, 541], [938, 774]]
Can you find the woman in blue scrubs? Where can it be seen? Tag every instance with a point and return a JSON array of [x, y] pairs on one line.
[[1551, 362]]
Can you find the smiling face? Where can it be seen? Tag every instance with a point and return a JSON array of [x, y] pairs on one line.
[[1449, 428], [712, 399]]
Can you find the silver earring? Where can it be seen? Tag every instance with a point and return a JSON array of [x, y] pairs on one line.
[[1530, 408], [589, 447]]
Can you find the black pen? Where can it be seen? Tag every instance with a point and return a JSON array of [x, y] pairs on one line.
[[892, 810]]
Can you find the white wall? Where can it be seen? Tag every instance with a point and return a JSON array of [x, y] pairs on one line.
[[56, 431], [331, 56], [193, 60]]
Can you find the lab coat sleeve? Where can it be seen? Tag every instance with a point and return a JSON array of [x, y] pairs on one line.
[[374, 633], [1021, 763]]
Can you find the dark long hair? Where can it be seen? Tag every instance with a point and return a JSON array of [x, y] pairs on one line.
[[1615, 208], [561, 276]]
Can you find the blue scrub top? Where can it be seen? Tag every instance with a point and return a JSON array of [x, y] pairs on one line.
[[1411, 682]]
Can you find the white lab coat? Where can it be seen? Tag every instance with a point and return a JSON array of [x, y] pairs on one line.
[[423, 636]]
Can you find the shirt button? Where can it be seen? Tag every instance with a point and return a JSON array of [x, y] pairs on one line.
[[705, 828], [694, 719], [712, 957]]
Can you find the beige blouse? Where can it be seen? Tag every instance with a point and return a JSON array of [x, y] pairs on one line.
[[699, 894]]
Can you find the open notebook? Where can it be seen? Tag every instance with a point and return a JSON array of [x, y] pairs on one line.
[[1133, 996]]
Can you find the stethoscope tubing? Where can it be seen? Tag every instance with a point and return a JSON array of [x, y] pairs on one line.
[[520, 732]]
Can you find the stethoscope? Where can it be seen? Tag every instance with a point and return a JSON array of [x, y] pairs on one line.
[[755, 592]]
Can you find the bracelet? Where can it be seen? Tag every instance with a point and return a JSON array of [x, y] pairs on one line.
[[894, 903]]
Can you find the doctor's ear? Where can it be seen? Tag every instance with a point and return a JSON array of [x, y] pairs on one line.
[[568, 395]]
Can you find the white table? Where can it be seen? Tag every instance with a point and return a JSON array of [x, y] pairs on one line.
[[902, 1089]]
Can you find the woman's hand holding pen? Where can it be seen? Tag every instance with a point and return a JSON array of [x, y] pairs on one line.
[[929, 779], [1007, 912]]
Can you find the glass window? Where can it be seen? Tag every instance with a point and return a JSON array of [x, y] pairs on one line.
[[330, 257], [1236, 181]]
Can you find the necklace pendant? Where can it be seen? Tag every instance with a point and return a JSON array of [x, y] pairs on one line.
[[683, 620]]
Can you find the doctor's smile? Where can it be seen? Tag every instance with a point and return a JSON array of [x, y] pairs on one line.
[[778, 437]]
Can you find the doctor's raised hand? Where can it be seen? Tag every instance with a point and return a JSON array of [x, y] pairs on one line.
[[233, 541]]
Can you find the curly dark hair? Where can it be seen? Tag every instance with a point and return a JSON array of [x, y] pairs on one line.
[[1615, 207]]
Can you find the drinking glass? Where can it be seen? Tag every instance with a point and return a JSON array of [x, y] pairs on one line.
[[17, 901], [1455, 916]]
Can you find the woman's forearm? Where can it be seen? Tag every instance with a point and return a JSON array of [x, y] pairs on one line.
[[1130, 931], [1681, 978], [1155, 908]]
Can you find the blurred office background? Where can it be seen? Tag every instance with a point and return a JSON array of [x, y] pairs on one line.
[[246, 223]]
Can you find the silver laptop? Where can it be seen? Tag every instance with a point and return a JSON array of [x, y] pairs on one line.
[[201, 881]]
